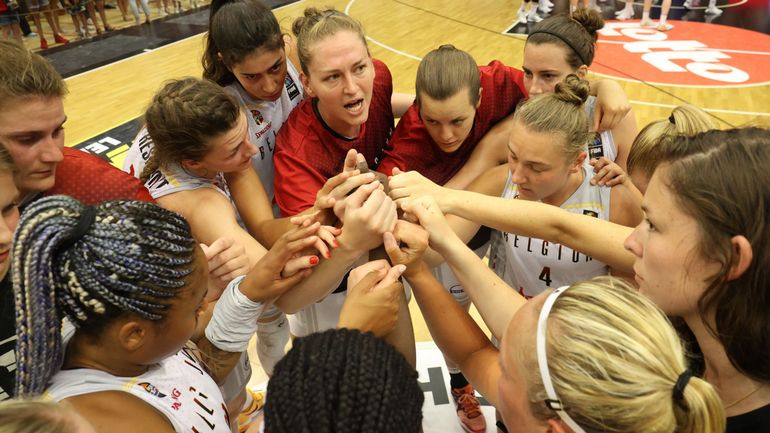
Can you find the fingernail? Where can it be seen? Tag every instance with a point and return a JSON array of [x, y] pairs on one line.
[[336, 243], [328, 255], [313, 260], [400, 268]]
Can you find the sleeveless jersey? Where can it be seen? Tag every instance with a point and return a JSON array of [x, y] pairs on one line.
[[531, 265], [603, 143], [308, 151], [169, 180], [265, 118], [414, 149], [178, 387]]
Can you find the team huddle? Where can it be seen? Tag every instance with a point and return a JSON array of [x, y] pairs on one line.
[[277, 198]]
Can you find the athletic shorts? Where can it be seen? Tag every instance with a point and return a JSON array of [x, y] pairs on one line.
[[9, 17]]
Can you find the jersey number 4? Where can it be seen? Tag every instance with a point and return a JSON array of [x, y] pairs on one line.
[[545, 276]]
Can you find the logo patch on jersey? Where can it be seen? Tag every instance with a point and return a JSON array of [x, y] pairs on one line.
[[152, 389], [291, 87], [595, 148], [258, 119], [590, 213]]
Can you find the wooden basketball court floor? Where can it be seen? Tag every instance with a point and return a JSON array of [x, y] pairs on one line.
[[400, 32]]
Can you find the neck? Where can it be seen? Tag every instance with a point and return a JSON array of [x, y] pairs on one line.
[[83, 352], [731, 385], [201, 172], [573, 183], [342, 128]]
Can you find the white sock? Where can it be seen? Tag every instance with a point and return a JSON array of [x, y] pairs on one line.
[[662, 19], [271, 341], [645, 16]]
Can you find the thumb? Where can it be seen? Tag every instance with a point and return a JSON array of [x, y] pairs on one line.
[[391, 246], [397, 171], [367, 283]]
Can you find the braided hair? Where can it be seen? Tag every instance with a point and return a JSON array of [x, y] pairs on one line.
[[342, 380], [132, 258]]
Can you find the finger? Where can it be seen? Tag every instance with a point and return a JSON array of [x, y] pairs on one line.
[[598, 178], [357, 199], [284, 284], [397, 171], [391, 277], [365, 283], [374, 202], [351, 159], [357, 273], [299, 263], [301, 232], [350, 184], [360, 158], [617, 180], [328, 235], [216, 247], [391, 247]]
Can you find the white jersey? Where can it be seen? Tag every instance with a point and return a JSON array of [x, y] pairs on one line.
[[178, 387], [265, 118], [531, 265], [603, 144], [169, 180]]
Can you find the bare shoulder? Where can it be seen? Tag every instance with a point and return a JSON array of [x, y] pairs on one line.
[[119, 412]]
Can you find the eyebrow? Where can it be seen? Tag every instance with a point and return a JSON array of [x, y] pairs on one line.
[[277, 62], [23, 133]]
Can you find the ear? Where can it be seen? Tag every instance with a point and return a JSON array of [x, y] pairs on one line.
[[478, 103], [132, 335], [578, 163], [306, 84], [190, 164], [557, 426], [742, 256], [582, 71]]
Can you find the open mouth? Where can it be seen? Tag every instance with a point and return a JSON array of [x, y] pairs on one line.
[[355, 107]]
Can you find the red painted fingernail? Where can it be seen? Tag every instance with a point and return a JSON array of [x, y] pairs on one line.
[[314, 260], [328, 254], [336, 243]]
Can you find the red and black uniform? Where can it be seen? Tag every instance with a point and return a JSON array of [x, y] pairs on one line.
[[412, 147], [92, 180], [308, 151]]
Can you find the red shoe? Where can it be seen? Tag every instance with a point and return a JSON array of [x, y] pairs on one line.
[[59, 39], [468, 410], [43, 44]]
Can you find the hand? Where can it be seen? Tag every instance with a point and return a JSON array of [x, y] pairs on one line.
[[414, 242], [373, 298], [327, 235], [281, 268], [369, 213], [412, 185], [607, 172], [611, 105], [227, 259], [425, 211]]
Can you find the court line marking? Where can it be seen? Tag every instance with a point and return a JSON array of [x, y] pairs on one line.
[[759, 53], [654, 104], [146, 51]]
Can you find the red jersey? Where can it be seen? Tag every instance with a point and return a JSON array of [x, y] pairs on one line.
[[92, 180], [412, 148], [308, 152]]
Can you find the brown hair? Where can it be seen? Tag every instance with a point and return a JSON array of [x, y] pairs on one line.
[[445, 71], [182, 117], [236, 29], [614, 361], [645, 154], [6, 162], [317, 25], [560, 113], [23, 73], [720, 178], [576, 33]]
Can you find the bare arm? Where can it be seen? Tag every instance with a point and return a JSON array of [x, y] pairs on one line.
[[603, 240], [624, 134], [400, 103]]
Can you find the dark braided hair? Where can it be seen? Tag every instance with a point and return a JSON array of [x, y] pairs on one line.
[[342, 380], [133, 259]]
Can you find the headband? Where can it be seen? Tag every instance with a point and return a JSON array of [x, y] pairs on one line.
[[563, 39], [85, 221], [552, 401]]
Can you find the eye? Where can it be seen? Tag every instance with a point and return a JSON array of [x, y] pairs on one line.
[[458, 122], [650, 225], [528, 74], [275, 68], [332, 78], [360, 69], [431, 122], [58, 131]]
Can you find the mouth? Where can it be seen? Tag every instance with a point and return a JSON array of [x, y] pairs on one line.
[[4, 255], [355, 107]]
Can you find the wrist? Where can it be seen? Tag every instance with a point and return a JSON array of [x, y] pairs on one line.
[[415, 270]]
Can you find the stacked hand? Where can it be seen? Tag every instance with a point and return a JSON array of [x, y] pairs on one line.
[[373, 298], [406, 245], [227, 259], [368, 213], [427, 213], [411, 184]]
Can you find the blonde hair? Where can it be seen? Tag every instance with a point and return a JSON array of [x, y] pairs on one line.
[[614, 360], [645, 154], [36, 416], [560, 112], [317, 25], [23, 74], [6, 162]]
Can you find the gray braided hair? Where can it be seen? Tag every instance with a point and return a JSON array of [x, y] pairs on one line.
[[132, 259]]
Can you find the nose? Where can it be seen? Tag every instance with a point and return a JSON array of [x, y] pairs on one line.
[[349, 85], [250, 149], [269, 87], [51, 151], [445, 134], [517, 175], [535, 87], [633, 243]]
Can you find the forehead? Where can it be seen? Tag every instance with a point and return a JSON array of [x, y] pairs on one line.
[[32, 113], [227, 140], [456, 105], [259, 61], [526, 143], [338, 50], [547, 56]]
